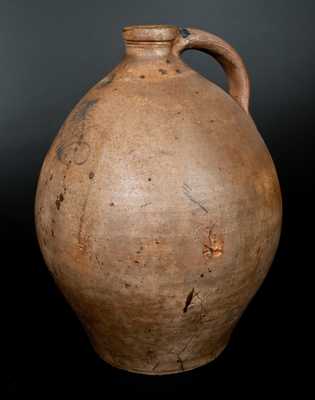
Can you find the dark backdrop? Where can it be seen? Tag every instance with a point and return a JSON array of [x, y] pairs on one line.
[[51, 53]]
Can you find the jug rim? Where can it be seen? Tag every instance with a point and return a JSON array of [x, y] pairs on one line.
[[150, 33]]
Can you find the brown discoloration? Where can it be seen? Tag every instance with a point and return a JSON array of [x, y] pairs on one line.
[[197, 205]]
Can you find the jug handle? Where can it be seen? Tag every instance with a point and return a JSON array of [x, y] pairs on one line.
[[228, 58]]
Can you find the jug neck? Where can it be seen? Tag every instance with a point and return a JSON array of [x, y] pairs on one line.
[[148, 42]]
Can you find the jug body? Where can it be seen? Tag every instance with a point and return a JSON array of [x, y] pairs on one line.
[[158, 208]]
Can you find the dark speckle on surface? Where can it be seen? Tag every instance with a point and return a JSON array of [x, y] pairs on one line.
[[142, 76], [162, 71], [112, 204], [149, 179], [59, 200], [184, 32], [178, 71], [91, 175]]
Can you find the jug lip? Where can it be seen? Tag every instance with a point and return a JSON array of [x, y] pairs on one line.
[[150, 33]]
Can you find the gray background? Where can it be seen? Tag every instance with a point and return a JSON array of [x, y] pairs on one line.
[[52, 52]]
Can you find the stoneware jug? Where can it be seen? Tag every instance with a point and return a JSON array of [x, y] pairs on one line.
[[158, 208]]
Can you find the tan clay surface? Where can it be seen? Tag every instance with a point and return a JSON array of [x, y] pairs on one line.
[[158, 208]]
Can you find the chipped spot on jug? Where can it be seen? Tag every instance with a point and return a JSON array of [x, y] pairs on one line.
[[214, 247]]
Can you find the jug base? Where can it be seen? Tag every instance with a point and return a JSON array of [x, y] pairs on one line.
[[186, 365]]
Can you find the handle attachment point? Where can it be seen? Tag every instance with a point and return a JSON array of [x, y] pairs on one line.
[[228, 58]]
